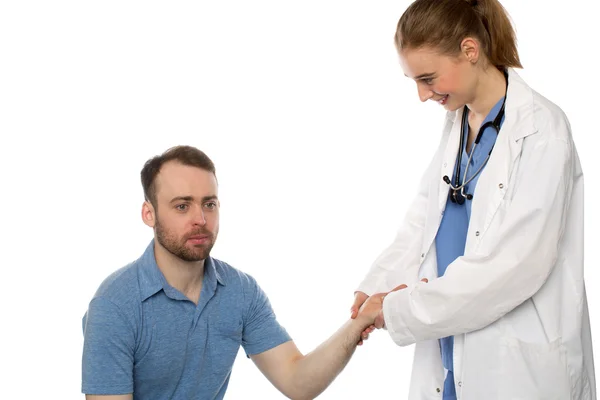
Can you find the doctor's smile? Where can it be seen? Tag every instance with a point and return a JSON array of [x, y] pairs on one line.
[[443, 100]]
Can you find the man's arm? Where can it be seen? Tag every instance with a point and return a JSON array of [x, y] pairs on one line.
[[108, 352], [301, 376]]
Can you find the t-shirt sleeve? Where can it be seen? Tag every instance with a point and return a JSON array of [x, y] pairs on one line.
[[261, 330], [108, 350]]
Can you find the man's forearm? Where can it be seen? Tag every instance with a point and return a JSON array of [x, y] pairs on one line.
[[315, 371]]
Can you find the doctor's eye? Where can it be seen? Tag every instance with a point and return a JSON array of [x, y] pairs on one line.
[[428, 81]]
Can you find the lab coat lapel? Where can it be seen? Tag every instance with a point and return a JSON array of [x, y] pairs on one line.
[[495, 181], [438, 189]]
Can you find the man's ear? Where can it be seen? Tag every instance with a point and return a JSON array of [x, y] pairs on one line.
[[148, 214]]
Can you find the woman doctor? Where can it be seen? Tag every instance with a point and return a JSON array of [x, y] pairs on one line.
[[496, 228]]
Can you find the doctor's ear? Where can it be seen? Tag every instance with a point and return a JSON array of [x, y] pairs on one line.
[[469, 48]]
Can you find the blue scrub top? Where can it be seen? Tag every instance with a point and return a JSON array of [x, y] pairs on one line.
[[452, 234]]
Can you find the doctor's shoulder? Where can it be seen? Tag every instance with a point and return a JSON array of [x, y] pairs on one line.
[[551, 122]]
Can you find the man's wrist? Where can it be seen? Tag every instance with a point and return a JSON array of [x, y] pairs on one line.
[[360, 323]]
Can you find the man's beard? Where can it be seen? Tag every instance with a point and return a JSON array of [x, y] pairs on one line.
[[177, 246]]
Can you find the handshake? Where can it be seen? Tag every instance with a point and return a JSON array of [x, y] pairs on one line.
[[370, 309]]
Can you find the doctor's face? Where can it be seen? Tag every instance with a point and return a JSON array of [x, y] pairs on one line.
[[447, 80]]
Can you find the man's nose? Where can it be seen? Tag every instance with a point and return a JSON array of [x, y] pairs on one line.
[[199, 218]]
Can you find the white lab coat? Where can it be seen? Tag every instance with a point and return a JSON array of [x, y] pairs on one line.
[[515, 302]]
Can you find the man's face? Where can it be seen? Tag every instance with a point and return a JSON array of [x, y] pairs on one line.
[[186, 220]]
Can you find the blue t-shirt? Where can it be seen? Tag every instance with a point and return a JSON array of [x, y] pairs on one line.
[[452, 234], [143, 336]]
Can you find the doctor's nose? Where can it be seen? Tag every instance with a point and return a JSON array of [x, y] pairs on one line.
[[424, 93]]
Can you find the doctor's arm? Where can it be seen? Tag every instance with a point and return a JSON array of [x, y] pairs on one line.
[[404, 251], [477, 290]]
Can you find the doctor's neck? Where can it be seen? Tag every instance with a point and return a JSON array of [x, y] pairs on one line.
[[490, 88]]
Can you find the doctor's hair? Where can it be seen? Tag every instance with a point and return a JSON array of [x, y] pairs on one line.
[[186, 155], [443, 24]]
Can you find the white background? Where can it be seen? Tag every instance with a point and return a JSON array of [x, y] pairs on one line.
[[318, 138]]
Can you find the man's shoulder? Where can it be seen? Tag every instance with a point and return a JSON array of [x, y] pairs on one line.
[[233, 276], [121, 287], [118, 293]]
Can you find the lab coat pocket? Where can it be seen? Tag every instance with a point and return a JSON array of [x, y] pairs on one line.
[[533, 371]]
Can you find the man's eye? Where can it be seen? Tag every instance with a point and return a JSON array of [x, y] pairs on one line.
[[211, 205], [428, 81], [181, 207]]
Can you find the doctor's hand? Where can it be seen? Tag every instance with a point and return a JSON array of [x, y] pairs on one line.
[[361, 297], [375, 302], [372, 308], [371, 313]]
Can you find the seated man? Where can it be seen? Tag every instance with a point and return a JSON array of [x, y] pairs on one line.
[[169, 325]]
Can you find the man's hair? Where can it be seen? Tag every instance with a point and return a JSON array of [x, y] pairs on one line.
[[186, 155]]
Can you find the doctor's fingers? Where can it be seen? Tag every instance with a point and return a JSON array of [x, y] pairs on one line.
[[359, 299], [365, 334], [403, 286]]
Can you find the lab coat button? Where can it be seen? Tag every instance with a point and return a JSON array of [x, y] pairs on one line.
[[437, 390], [422, 255], [459, 384], [501, 186], [477, 233]]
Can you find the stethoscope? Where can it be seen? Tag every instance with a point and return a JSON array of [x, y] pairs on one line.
[[457, 191]]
